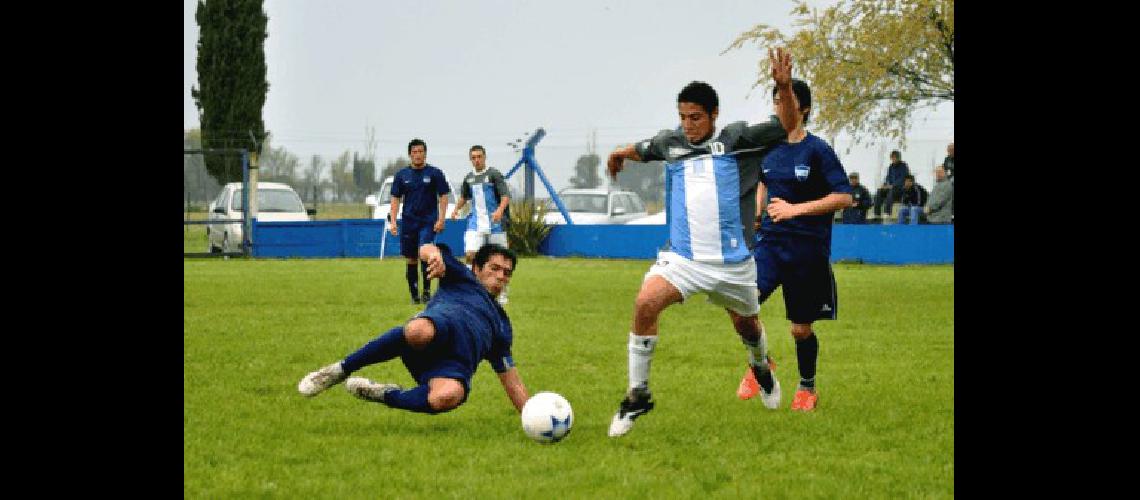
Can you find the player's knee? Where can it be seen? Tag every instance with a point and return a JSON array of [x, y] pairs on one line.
[[445, 397], [419, 332], [747, 326], [801, 332]]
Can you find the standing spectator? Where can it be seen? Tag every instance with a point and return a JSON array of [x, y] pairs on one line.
[[913, 198], [948, 162], [892, 187], [860, 202], [941, 199]]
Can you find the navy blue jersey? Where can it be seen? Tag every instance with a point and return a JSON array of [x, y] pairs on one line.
[[805, 171], [419, 191], [480, 326]]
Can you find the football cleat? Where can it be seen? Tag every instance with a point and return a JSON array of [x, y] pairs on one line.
[[749, 387], [804, 400], [368, 390], [636, 403], [322, 379]]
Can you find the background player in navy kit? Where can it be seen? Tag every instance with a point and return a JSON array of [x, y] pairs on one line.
[[423, 190], [806, 184], [443, 345], [710, 178], [490, 198]]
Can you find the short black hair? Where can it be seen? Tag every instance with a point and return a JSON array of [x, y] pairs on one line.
[[699, 93], [417, 142], [486, 251], [803, 94], [896, 154], [908, 177], [480, 148]]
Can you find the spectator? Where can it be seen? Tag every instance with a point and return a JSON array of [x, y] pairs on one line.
[[860, 202], [941, 199], [948, 162], [913, 198], [892, 187]]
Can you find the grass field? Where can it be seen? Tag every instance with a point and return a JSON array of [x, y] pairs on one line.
[[252, 328]]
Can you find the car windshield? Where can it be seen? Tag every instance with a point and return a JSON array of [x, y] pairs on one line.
[[272, 200], [590, 203]]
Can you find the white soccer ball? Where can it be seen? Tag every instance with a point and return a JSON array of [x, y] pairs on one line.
[[547, 417]]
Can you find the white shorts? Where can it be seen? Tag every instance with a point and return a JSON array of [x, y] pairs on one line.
[[473, 240], [732, 286]]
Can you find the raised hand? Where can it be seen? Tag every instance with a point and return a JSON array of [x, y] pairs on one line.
[[781, 62]]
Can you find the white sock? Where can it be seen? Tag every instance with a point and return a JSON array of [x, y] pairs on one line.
[[640, 355], [758, 353]]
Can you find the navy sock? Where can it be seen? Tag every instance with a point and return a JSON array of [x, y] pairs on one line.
[[807, 351], [427, 282], [413, 280], [414, 399], [382, 348]]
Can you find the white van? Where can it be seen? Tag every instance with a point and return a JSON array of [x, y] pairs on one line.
[[275, 202], [381, 201]]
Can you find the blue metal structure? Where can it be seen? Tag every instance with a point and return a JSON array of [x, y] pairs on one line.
[[532, 167]]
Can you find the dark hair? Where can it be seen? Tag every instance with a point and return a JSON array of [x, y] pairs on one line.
[[480, 148], [417, 142], [486, 251], [896, 154], [803, 94], [908, 177], [699, 93]]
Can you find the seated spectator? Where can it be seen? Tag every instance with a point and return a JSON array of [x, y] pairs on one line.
[[913, 198], [892, 187], [941, 199], [860, 202], [948, 163]]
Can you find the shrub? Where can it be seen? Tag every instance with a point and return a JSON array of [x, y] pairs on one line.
[[527, 228]]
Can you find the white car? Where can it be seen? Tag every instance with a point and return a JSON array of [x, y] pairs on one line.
[[381, 201], [655, 219], [275, 202], [597, 206]]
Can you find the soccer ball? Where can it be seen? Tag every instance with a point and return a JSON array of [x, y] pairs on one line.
[[547, 417]]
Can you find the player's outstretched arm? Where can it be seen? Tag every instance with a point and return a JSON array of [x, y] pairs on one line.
[[781, 62], [616, 161], [779, 209], [433, 256], [514, 387]]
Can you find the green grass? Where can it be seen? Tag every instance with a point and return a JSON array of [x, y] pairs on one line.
[[253, 328]]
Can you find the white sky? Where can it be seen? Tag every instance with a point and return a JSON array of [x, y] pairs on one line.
[[457, 73]]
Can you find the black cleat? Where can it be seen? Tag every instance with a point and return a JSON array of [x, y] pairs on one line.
[[636, 403]]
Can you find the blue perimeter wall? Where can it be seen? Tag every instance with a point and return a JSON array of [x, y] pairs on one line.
[[873, 244]]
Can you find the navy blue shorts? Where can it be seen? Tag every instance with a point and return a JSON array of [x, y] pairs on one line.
[[413, 235], [803, 268], [449, 355]]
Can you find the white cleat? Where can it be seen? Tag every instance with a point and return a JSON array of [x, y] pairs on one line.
[[771, 400], [368, 390], [636, 403], [322, 379]]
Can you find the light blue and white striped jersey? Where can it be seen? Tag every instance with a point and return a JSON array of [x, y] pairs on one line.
[[483, 191], [710, 188]]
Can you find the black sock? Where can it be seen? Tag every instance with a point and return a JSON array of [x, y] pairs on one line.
[[427, 281], [413, 280], [764, 378], [807, 351]]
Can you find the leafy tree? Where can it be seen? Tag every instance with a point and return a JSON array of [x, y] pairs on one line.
[[394, 165], [312, 184], [870, 63], [364, 175], [231, 80], [586, 172]]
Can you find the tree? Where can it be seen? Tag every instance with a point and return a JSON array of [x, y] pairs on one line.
[[586, 172], [364, 175], [870, 63], [394, 165], [231, 80], [312, 183], [341, 176]]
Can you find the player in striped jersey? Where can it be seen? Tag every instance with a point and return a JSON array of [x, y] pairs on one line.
[[490, 197], [711, 176]]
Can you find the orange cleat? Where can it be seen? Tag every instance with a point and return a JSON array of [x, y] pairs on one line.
[[804, 400], [749, 387]]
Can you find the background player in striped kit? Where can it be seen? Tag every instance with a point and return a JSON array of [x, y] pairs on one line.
[[490, 198], [711, 177]]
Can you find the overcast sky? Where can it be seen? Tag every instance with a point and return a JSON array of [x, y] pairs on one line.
[[458, 73]]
